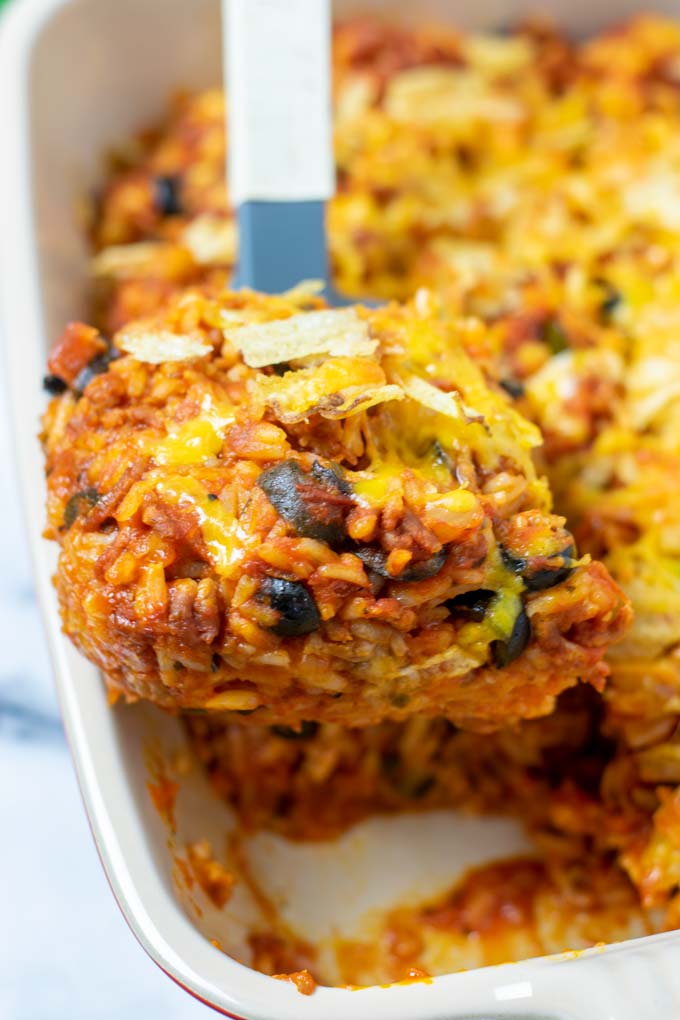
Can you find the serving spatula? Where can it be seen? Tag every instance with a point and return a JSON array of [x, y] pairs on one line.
[[281, 173]]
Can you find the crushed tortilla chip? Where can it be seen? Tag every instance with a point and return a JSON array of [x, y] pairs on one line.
[[338, 388], [435, 399], [304, 289], [212, 240], [156, 346], [144, 258], [338, 332]]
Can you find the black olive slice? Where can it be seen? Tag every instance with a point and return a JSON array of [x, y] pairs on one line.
[[539, 580], [79, 503], [313, 503], [331, 478], [166, 195], [513, 387], [505, 652], [295, 605], [54, 384], [543, 577], [376, 560], [517, 564], [471, 605], [97, 366]]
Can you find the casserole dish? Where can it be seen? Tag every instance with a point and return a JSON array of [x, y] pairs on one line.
[[64, 100]]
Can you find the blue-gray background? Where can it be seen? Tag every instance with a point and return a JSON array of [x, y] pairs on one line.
[[65, 951]]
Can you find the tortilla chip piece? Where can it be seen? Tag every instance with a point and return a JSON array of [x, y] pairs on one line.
[[338, 388], [435, 399], [305, 289], [212, 240], [155, 346], [338, 332], [142, 259]]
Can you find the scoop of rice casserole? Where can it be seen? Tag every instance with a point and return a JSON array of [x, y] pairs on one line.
[[312, 514]]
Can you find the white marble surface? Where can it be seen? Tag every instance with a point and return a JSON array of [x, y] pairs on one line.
[[65, 951]]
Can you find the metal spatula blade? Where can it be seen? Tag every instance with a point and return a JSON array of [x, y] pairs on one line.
[[277, 56], [280, 244]]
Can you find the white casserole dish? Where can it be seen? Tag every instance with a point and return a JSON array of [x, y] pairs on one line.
[[74, 78]]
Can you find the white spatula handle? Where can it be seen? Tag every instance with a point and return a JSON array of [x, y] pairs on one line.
[[278, 86]]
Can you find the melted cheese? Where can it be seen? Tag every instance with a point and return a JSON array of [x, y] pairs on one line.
[[221, 531], [374, 485], [401, 439], [196, 440]]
